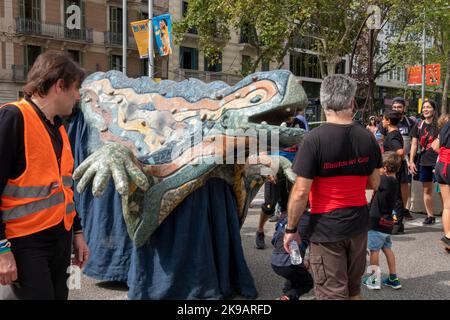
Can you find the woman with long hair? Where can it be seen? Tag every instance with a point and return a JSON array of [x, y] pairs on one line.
[[423, 134]]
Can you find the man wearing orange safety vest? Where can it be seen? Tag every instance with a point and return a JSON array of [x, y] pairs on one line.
[[38, 222]]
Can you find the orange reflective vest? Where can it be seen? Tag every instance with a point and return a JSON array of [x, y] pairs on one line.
[[42, 196]]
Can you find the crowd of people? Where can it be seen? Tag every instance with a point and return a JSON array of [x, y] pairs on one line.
[[331, 191]]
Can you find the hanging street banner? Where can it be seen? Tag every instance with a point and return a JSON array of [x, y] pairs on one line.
[[414, 76], [163, 34], [433, 74], [140, 32]]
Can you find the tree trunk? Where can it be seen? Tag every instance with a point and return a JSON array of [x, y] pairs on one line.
[[331, 67], [445, 107]]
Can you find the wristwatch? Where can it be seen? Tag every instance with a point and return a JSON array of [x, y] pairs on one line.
[[288, 230]]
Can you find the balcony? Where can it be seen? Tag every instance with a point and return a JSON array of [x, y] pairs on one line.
[[115, 39], [52, 30], [207, 76]]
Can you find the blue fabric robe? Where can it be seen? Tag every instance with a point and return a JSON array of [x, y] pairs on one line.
[[196, 253]]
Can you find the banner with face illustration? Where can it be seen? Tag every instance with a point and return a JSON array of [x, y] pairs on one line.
[[163, 34]]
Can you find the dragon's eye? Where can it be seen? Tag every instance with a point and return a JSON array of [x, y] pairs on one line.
[[256, 99]]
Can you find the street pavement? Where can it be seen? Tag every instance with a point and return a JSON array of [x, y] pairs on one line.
[[423, 266]]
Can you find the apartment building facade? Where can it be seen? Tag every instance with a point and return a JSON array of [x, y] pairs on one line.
[[29, 27]]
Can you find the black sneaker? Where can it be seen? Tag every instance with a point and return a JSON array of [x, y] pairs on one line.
[[398, 229], [259, 240], [407, 215], [429, 220], [446, 242]]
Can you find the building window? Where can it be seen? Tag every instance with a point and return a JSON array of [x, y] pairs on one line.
[[188, 58], [31, 54], [116, 62], [115, 20], [30, 9], [216, 67], [184, 9], [77, 56], [304, 65], [247, 34]]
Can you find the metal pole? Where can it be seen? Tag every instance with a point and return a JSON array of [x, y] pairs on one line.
[[423, 64], [150, 39], [124, 36]]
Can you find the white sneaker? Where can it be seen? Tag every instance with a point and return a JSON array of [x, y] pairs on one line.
[[372, 283]]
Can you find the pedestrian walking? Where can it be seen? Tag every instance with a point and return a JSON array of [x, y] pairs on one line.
[[338, 161]]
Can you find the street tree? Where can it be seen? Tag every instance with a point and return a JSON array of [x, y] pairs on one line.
[[267, 26], [407, 30]]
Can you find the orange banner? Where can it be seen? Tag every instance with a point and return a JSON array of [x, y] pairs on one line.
[[415, 76], [433, 74], [141, 35]]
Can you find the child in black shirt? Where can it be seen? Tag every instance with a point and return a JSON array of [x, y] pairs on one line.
[[382, 222]]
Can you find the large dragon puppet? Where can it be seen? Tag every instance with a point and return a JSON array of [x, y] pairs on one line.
[[161, 141]]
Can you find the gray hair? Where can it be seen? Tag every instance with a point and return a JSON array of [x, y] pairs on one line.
[[336, 92]]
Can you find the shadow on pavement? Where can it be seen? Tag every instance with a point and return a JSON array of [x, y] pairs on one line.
[[113, 285]]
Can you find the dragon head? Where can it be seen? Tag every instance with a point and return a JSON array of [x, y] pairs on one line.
[[136, 125], [263, 102]]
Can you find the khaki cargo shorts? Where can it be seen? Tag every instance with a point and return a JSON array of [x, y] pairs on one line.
[[338, 267]]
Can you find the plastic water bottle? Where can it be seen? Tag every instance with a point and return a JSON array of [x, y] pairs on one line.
[[296, 257]]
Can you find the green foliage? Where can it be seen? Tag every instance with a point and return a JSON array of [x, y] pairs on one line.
[[270, 25]]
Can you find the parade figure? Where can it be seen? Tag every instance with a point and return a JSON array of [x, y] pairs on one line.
[[181, 203]]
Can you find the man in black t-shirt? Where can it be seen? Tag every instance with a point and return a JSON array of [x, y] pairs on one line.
[[338, 161]]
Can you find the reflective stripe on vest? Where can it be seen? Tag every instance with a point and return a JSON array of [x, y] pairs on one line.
[[70, 208], [30, 208], [29, 192], [35, 192]]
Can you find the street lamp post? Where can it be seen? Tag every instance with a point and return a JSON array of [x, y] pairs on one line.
[[124, 37], [423, 62], [150, 41]]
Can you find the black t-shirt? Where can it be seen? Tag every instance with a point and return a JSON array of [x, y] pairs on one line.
[[382, 205], [444, 136], [338, 151], [393, 141], [425, 133]]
